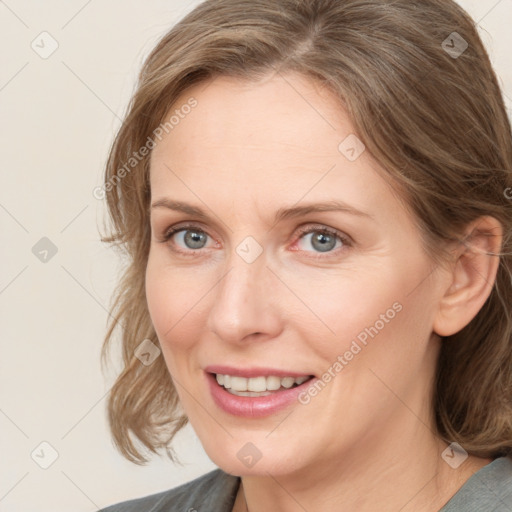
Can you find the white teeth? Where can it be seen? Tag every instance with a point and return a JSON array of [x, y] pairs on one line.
[[249, 393], [257, 386], [273, 383], [239, 384], [287, 382]]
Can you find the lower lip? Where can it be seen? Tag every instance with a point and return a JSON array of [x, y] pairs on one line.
[[254, 406]]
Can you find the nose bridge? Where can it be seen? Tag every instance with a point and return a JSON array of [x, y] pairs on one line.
[[242, 305]]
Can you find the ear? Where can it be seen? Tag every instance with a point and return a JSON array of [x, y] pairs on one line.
[[471, 277]]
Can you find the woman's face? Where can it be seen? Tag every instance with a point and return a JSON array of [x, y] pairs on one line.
[[302, 263]]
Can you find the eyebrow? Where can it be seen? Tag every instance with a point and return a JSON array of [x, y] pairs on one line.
[[281, 214]]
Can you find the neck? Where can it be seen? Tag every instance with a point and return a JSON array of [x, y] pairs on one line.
[[378, 475]]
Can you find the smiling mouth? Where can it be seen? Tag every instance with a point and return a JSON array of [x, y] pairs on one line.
[[258, 386]]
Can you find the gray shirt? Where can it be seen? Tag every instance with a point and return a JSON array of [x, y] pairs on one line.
[[488, 490]]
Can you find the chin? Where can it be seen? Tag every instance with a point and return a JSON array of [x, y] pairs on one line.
[[242, 456]]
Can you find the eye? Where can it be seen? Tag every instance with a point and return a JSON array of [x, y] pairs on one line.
[[322, 239], [187, 238]]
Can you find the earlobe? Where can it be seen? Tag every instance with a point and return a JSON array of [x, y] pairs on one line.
[[472, 276]]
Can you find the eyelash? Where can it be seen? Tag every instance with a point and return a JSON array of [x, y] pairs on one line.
[[301, 232]]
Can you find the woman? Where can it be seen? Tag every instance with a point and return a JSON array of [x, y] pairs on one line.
[[312, 195]]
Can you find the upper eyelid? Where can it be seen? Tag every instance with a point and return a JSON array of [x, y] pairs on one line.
[[305, 227]]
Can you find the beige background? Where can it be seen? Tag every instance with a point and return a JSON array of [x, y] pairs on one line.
[[59, 115]]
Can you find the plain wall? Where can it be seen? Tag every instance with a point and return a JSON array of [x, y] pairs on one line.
[[59, 115]]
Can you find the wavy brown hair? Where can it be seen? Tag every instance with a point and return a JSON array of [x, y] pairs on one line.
[[434, 120]]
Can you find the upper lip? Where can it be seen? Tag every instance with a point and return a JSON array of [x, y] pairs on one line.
[[253, 371]]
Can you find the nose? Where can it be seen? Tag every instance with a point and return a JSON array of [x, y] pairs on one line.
[[245, 305]]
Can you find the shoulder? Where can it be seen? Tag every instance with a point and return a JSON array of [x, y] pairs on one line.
[[488, 489], [215, 491]]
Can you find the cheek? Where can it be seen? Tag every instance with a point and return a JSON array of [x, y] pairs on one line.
[[179, 300], [366, 317], [340, 306], [172, 297]]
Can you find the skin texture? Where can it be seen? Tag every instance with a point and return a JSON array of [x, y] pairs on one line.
[[367, 440]]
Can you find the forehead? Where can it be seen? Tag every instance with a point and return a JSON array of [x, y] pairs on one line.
[[276, 110], [280, 139]]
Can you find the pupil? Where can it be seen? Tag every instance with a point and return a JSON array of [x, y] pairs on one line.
[[193, 239], [322, 238]]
